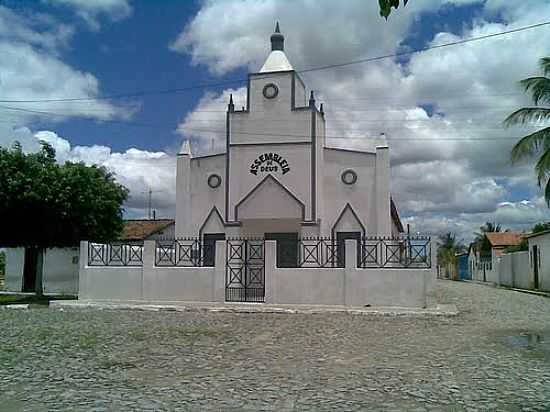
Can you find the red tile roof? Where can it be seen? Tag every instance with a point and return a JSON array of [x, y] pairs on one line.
[[504, 238], [140, 229]]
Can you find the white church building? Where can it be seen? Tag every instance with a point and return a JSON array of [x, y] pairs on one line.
[[278, 176], [278, 217]]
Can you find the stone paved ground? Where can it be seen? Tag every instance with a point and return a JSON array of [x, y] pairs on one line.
[[494, 356]]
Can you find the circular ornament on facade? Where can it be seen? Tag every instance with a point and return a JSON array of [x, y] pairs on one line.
[[270, 91], [349, 177], [214, 181]]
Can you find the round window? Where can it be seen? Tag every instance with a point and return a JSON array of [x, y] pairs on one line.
[[270, 91], [214, 181], [349, 177]]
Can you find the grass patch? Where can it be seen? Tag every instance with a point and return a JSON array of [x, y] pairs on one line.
[[88, 341], [31, 299]]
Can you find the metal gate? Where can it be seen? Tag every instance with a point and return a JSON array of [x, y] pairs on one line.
[[245, 270]]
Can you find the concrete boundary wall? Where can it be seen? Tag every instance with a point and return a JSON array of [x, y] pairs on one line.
[[349, 286], [510, 270], [150, 282]]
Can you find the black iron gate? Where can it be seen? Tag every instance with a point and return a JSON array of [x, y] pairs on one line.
[[245, 270]]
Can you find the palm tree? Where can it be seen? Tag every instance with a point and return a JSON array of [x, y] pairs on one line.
[[488, 227], [537, 143], [448, 247]]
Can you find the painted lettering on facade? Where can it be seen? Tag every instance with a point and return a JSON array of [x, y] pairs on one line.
[[269, 162]]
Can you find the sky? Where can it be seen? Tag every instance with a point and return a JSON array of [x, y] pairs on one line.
[[153, 74]]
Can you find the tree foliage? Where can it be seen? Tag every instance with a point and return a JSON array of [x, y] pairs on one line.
[[541, 227], [387, 5], [536, 144], [44, 204], [448, 247], [2, 264]]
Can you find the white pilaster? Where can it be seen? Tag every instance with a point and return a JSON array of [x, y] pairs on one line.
[[218, 288], [350, 271], [383, 191], [82, 272], [149, 278], [270, 265], [183, 192]]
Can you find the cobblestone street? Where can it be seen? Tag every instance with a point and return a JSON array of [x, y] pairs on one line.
[[494, 356]]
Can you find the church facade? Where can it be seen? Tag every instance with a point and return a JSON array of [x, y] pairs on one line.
[[279, 217], [277, 178]]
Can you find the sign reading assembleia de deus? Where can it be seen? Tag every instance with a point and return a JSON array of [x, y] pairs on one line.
[[265, 163]]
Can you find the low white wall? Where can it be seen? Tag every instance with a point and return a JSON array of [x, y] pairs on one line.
[[110, 283], [514, 270], [150, 282], [346, 286], [387, 287], [306, 285], [15, 262], [350, 286], [60, 271], [542, 241], [493, 275]]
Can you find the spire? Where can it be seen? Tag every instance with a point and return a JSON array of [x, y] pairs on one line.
[[277, 60], [277, 39], [231, 105], [185, 148], [311, 99]]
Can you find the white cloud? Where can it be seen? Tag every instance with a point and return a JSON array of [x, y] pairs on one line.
[[31, 68], [452, 169], [205, 125], [91, 10], [138, 170], [17, 28]]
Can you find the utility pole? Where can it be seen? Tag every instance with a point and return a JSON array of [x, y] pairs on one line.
[[150, 201]]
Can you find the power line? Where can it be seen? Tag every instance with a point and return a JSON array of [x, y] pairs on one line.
[[201, 130], [309, 70], [215, 121]]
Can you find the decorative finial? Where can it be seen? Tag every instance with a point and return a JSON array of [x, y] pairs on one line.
[[321, 109], [231, 106], [311, 99], [277, 39], [185, 148]]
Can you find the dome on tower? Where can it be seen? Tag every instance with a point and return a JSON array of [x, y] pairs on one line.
[[277, 60]]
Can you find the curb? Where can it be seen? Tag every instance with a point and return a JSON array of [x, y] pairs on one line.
[[438, 311], [494, 285]]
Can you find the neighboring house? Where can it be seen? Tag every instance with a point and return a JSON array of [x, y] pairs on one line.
[[462, 264], [145, 229], [57, 268], [539, 260], [484, 268]]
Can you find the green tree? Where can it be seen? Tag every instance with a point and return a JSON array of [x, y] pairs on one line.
[[387, 5], [536, 144], [2, 268], [448, 247], [540, 227], [45, 204]]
